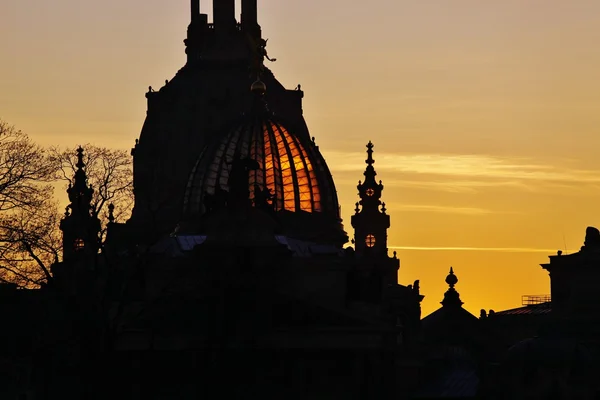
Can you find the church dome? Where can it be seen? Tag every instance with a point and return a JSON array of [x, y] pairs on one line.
[[291, 169]]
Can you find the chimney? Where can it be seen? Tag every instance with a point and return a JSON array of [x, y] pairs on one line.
[[195, 8], [249, 13], [224, 14]]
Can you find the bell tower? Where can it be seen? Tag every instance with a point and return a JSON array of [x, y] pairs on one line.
[[370, 221], [80, 226]]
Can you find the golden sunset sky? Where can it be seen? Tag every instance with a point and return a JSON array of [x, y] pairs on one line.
[[484, 113]]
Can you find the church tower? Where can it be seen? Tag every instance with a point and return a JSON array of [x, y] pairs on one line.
[[370, 222], [80, 226]]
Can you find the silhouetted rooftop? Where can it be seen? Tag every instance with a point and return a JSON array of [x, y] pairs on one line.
[[536, 309]]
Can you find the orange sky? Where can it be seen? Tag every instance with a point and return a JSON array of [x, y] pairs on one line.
[[483, 113]]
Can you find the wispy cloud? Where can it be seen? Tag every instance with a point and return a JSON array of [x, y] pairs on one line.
[[489, 249], [440, 209], [436, 184], [471, 170]]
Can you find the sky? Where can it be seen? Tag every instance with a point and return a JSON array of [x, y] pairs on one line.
[[483, 113]]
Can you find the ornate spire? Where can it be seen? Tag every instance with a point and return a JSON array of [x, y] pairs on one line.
[[81, 226], [370, 221], [369, 190], [80, 194], [80, 164], [370, 173], [451, 297], [369, 159]]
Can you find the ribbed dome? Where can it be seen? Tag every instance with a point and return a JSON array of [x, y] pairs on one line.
[[294, 172]]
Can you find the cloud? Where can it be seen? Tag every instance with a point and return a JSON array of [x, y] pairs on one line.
[[470, 170], [489, 249], [440, 209], [437, 184]]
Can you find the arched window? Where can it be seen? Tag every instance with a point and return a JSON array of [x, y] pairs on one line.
[[78, 244], [370, 240]]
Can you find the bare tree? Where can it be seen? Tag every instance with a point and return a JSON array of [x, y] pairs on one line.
[[30, 238], [109, 173], [28, 213], [30, 243], [25, 171]]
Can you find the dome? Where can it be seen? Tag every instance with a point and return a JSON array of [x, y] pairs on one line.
[[291, 169]]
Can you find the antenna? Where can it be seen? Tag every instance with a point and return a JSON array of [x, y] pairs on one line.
[[565, 243]]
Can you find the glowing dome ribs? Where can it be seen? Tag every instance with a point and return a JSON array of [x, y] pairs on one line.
[[286, 161], [285, 166]]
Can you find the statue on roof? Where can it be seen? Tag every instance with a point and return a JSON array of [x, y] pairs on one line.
[[592, 239], [259, 54], [263, 50], [263, 197], [239, 175]]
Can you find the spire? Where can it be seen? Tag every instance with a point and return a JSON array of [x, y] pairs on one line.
[[80, 227], [369, 159], [80, 163], [369, 190], [79, 193], [452, 297], [370, 173], [370, 221]]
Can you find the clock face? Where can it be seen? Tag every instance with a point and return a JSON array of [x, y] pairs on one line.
[[370, 192]]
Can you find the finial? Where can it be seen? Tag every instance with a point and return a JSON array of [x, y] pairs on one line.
[[383, 209], [111, 216], [451, 279], [451, 297], [357, 209], [395, 254], [67, 211], [369, 159], [80, 164], [258, 87]]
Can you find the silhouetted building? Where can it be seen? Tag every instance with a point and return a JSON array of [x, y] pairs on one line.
[[230, 279], [231, 276], [455, 348]]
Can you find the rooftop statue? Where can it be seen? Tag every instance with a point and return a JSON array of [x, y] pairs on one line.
[[259, 49], [263, 198], [592, 239], [239, 175]]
